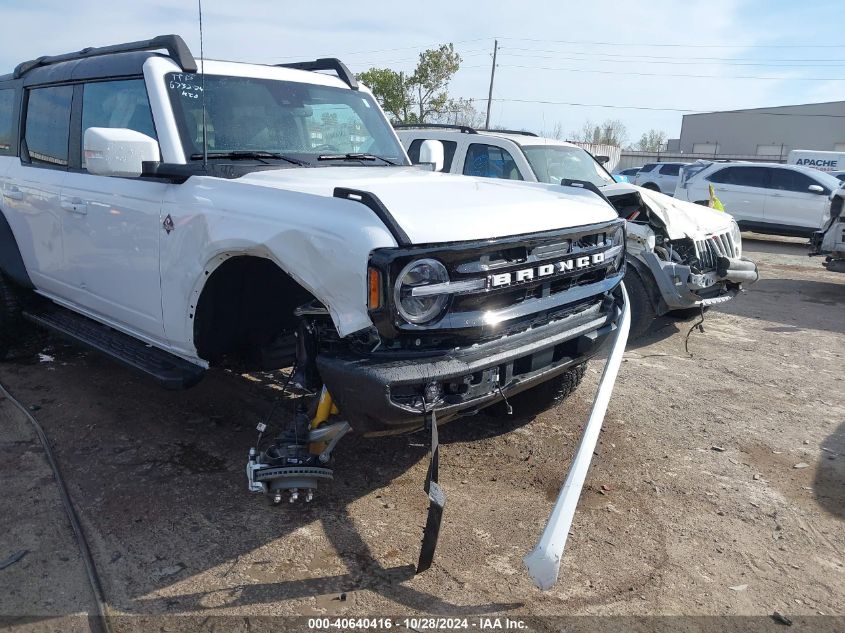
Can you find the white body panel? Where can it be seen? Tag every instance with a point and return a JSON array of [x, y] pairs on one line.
[[823, 161]]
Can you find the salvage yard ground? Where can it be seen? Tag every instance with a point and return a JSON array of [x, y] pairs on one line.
[[718, 486]]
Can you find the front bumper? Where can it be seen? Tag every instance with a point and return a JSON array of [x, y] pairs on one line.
[[383, 397], [681, 288]]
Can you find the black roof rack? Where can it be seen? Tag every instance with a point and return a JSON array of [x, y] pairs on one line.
[[522, 132], [447, 126], [327, 63], [175, 46]]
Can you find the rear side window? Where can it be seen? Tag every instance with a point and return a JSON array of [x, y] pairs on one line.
[[742, 176], [789, 180], [490, 161], [48, 125], [449, 148], [7, 123], [670, 170], [117, 104], [647, 167]]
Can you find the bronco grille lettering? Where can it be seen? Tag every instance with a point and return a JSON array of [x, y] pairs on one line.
[[499, 280]]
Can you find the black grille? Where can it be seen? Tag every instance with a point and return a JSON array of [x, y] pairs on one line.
[[491, 310]]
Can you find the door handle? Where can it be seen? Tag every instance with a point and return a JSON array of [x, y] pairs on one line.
[[13, 193], [75, 205]]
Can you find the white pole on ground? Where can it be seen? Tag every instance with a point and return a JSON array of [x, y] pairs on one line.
[[543, 562]]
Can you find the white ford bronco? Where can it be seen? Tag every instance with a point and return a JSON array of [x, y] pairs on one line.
[[175, 219], [681, 256]]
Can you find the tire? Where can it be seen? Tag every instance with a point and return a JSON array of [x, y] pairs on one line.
[[10, 316], [642, 309], [652, 186], [545, 395]]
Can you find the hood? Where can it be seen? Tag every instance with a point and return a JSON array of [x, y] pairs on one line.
[[435, 207], [681, 218]]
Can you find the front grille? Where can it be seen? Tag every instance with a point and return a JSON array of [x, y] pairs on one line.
[[484, 309], [709, 250]]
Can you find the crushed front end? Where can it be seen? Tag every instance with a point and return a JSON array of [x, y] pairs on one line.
[[460, 326], [830, 240]]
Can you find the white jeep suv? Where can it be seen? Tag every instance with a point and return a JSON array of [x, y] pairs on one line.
[[681, 256]]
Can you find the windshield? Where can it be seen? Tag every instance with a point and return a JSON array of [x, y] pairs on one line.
[[553, 163], [298, 120]]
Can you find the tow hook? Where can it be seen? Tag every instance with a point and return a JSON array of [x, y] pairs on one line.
[[297, 460]]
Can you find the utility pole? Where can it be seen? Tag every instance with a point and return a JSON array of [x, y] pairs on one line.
[[492, 75]]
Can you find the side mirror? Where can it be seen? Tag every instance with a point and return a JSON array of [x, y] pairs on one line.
[[815, 189], [602, 159], [431, 152], [118, 151]]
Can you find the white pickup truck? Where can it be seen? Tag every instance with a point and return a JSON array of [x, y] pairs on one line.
[[682, 256]]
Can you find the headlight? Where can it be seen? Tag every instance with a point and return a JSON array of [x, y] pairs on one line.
[[736, 236], [420, 307]]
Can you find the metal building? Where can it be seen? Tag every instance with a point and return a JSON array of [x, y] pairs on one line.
[[765, 131]]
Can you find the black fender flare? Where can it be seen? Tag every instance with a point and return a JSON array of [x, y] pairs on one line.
[[11, 262], [640, 269]]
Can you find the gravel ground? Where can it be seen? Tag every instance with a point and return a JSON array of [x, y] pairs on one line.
[[716, 489]]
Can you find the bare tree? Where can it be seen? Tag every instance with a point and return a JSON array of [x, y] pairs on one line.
[[609, 132], [652, 141]]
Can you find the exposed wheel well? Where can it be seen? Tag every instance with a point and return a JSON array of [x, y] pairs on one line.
[[246, 311], [652, 186]]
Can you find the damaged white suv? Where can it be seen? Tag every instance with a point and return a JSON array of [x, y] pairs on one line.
[[174, 221], [682, 256]]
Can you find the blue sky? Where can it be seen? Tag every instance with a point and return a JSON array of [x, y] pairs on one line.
[[786, 41]]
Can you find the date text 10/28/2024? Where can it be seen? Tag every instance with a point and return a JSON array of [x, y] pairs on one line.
[[418, 624]]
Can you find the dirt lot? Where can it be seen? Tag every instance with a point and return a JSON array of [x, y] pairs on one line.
[[718, 486]]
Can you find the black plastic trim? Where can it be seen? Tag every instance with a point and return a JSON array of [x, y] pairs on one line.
[[434, 126], [371, 200], [585, 184], [173, 44], [327, 63], [11, 262]]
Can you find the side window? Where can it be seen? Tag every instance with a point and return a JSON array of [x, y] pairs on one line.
[[647, 167], [490, 161], [48, 125], [117, 104], [788, 180], [670, 170], [449, 148], [741, 176], [7, 123]]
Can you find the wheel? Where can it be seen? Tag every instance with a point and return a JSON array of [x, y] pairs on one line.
[[642, 309], [545, 395], [10, 316]]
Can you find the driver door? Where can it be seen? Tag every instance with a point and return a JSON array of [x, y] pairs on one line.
[[111, 235]]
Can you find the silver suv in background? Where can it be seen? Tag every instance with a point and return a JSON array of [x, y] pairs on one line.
[[763, 197], [662, 177]]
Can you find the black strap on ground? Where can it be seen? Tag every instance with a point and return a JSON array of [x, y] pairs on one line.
[[437, 500]]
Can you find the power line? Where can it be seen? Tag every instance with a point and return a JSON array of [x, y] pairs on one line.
[[641, 74], [665, 45], [419, 47], [678, 63], [630, 55], [748, 111]]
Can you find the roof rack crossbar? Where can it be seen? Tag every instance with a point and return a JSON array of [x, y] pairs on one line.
[[327, 63], [522, 132], [447, 126], [173, 44]]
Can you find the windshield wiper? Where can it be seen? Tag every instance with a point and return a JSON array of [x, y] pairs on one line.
[[247, 154], [354, 156]]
